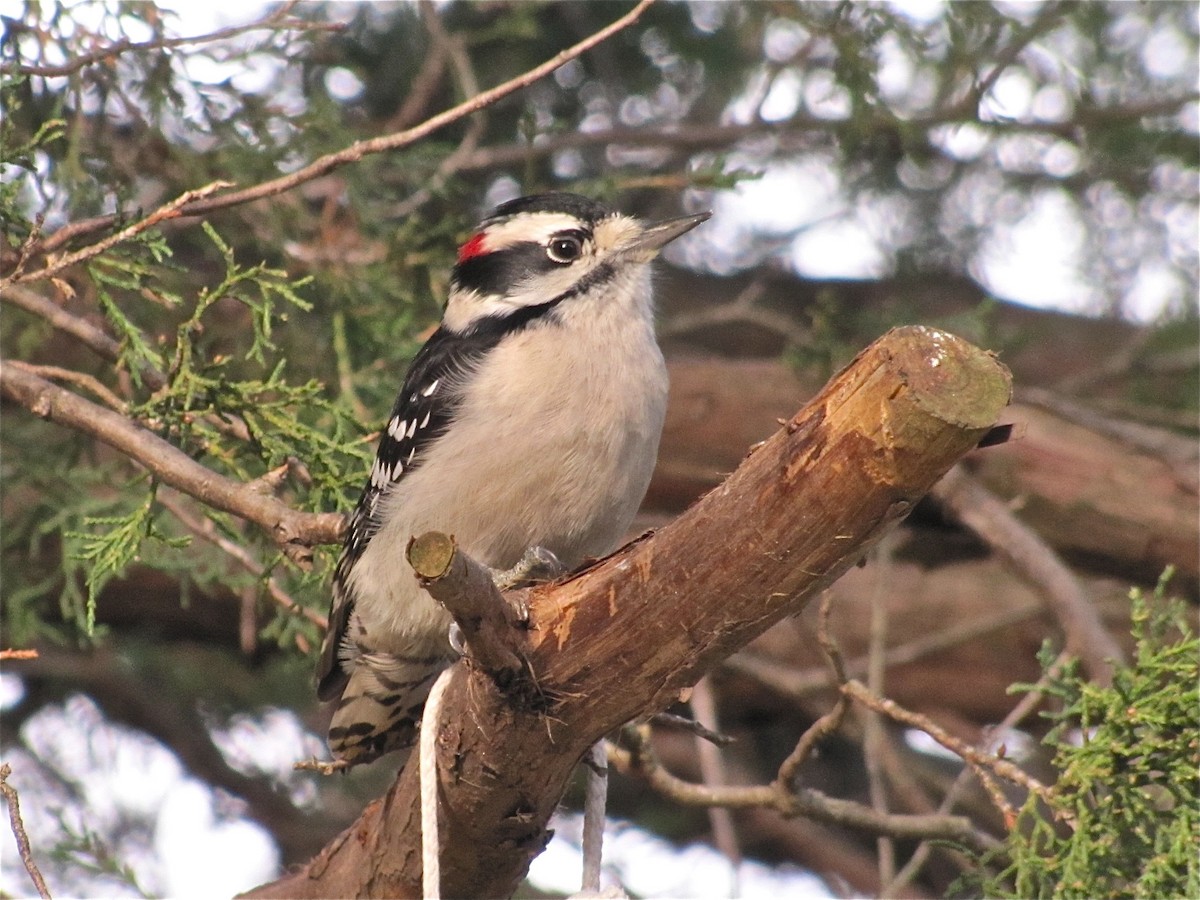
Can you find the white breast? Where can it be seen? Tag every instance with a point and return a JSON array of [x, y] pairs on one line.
[[554, 447]]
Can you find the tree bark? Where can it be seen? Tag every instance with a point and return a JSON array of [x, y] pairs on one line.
[[623, 638]]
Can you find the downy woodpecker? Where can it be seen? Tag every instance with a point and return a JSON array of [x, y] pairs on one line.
[[531, 418]]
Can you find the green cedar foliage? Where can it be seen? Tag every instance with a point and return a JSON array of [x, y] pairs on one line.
[[1128, 758]]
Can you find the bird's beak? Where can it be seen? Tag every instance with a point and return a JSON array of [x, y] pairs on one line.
[[657, 235]]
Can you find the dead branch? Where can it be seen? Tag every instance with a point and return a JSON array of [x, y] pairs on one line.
[[295, 532], [622, 639], [18, 830], [973, 757], [465, 588], [367, 147], [639, 759]]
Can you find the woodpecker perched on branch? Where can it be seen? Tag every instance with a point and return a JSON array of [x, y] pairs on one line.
[[530, 419]]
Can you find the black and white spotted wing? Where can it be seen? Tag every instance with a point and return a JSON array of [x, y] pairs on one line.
[[424, 410]]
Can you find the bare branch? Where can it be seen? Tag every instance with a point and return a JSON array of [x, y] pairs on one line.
[[274, 22], [18, 830], [79, 379], [639, 759], [972, 756], [982, 512], [168, 210], [828, 723], [360, 149], [1014, 718], [295, 532]]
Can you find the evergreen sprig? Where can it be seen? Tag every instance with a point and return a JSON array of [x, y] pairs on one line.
[[1128, 757]]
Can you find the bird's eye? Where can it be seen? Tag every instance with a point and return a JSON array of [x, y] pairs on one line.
[[564, 248]]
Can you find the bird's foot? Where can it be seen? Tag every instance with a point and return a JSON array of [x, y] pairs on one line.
[[537, 565]]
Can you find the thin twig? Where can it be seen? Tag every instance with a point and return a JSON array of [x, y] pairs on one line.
[[18, 654], [1000, 767], [204, 529], [274, 22], [831, 721], [453, 48], [18, 830], [986, 515], [79, 379], [168, 210], [360, 149], [671, 720], [1015, 716], [638, 759]]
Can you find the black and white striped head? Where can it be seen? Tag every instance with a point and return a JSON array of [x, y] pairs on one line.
[[536, 252]]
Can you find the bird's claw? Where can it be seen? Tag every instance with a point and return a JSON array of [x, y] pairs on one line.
[[537, 565]]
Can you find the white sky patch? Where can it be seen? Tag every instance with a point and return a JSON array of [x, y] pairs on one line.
[[1035, 262], [839, 249], [649, 866], [189, 836], [920, 10], [12, 690]]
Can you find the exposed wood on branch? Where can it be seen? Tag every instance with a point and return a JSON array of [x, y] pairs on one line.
[[1094, 498], [465, 588], [624, 638]]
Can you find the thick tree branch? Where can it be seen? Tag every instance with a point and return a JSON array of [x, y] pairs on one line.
[[295, 532], [624, 638]]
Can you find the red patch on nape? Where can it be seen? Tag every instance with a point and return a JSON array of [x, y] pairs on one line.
[[473, 247]]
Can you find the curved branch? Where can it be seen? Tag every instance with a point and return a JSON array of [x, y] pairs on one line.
[[640, 760], [991, 519], [296, 532], [360, 149]]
